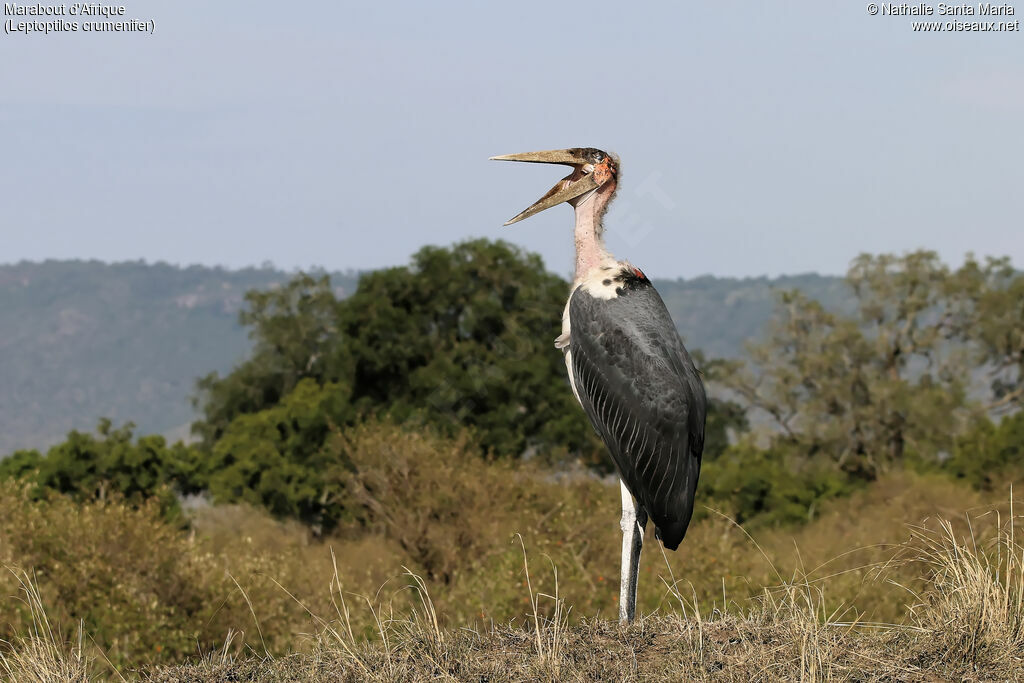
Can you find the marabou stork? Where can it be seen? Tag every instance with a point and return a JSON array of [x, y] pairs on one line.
[[627, 367]]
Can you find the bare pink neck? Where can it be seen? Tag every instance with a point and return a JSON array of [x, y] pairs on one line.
[[589, 234]]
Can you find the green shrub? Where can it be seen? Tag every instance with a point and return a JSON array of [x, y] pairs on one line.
[[989, 454], [135, 583], [278, 457], [769, 486], [95, 467]]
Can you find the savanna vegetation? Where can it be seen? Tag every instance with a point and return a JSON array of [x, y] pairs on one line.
[[398, 484], [127, 340]]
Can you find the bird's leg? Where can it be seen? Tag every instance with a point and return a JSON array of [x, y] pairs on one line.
[[632, 524]]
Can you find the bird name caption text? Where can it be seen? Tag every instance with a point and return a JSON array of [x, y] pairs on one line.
[[942, 17], [76, 17]]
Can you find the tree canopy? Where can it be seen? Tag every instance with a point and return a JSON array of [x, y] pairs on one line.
[[110, 464], [898, 379], [462, 338]]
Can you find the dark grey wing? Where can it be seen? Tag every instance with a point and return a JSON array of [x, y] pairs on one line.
[[644, 397]]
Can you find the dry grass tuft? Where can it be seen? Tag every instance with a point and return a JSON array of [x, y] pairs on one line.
[[974, 604], [41, 655]]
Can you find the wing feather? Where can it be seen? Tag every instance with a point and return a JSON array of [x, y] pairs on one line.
[[636, 382]]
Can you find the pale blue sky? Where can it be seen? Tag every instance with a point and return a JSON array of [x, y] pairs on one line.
[[753, 140]]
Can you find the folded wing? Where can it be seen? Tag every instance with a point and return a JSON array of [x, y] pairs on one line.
[[644, 397]]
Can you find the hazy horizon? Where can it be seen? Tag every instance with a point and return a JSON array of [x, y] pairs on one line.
[[353, 271]]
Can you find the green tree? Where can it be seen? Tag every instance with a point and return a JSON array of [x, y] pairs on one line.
[[279, 458], [20, 464], [726, 419], [464, 338], [988, 301], [866, 391], [460, 338], [111, 463], [295, 336], [770, 485], [989, 454]]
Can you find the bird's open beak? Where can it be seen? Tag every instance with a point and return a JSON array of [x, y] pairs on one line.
[[574, 185]]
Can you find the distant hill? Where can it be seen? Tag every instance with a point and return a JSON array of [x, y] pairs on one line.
[[719, 315], [80, 340]]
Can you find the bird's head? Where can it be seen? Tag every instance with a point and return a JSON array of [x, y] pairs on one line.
[[594, 175]]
